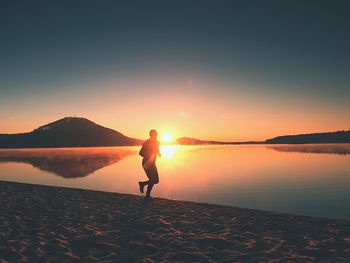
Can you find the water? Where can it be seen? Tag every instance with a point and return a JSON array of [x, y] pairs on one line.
[[301, 179]]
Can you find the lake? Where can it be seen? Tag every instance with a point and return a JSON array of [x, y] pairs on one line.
[[309, 180]]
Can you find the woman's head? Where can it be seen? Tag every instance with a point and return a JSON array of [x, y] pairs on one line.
[[153, 134]]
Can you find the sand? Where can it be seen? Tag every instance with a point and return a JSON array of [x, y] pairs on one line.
[[52, 224]]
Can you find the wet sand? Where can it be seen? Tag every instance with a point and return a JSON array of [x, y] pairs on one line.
[[52, 224]]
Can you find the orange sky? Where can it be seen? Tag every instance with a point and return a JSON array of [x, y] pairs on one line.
[[196, 107]]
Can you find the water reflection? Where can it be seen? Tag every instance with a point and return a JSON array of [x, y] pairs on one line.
[[342, 149], [68, 163], [285, 178], [168, 151]]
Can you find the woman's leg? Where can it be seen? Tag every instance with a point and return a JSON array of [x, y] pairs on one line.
[[149, 189], [142, 184], [152, 174]]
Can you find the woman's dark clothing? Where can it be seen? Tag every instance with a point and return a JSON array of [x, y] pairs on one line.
[[151, 171], [149, 152]]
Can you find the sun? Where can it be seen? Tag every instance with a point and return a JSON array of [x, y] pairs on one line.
[[167, 137]]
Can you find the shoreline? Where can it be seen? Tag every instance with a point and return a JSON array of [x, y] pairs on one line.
[[177, 144], [66, 224]]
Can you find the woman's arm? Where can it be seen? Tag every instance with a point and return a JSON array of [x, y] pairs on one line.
[[158, 151], [142, 151]]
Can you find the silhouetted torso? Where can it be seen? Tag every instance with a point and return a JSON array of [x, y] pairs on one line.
[[150, 150]]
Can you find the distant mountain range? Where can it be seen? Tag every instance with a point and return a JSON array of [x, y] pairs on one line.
[[81, 132], [325, 137], [67, 132], [193, 141]]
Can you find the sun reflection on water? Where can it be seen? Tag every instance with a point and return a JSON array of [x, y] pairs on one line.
[[168, 151]]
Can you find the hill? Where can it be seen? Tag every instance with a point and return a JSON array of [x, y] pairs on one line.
[[326, 137], [67, 132]]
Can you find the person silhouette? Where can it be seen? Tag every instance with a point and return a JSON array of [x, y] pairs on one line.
[[149, 151]]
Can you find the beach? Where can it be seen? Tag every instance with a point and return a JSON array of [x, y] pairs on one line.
[[54, 224]]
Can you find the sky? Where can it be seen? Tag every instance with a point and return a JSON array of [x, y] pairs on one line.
[[221, 70]]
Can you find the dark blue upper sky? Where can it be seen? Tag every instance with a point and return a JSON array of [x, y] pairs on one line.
[[299, 45], [283, 40]]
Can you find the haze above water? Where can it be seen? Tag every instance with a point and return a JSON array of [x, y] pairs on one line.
[[302, 179]]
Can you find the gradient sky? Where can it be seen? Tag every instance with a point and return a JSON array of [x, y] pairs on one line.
[[225, 70]]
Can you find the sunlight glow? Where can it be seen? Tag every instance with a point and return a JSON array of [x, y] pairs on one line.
[[168, 151], [167, 137]]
